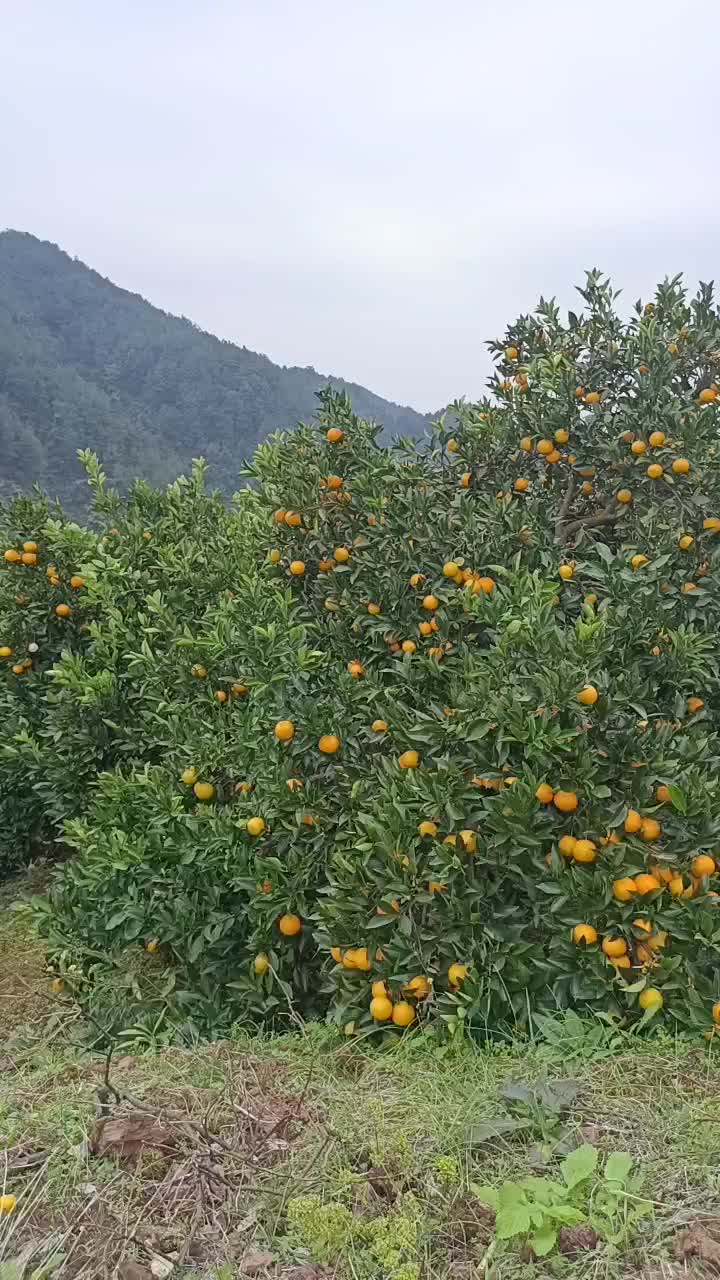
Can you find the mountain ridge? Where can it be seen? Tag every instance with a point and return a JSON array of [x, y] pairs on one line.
[[85, 363]]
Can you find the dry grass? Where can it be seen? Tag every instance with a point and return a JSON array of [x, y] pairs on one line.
[[252, 1156]]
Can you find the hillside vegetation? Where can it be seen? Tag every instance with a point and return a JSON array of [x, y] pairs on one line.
[[412, 735], [85, 364]]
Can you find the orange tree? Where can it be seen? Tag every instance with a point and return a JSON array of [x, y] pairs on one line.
[[448, 752]]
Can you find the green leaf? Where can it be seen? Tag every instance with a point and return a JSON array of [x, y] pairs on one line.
[[489, 1129], [486, 1195], [544, 1240], [618, 1166], [578, 1166], [678, 799], [512, 1220]]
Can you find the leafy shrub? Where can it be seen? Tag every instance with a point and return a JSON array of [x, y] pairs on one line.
[[528, 669]]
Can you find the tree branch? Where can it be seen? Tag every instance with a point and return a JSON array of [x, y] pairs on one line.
[[565, 505]]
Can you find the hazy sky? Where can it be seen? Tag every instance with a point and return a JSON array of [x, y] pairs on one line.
[[372, 188]]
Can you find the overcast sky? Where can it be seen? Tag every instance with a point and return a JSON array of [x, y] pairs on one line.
[[371, 188]]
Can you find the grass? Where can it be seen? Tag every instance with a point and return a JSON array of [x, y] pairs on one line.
[[304, 1156]]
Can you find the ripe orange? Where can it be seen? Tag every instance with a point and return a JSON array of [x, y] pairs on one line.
[[554, 457], [204, 790], [457, 973], [522, 485], [416, 578], [651, 998], [544, 447], [486, 585], [465, 479], [189, 776], [431, 603], [452, 446], [334, 482], [450, 569], [624, 496], [293, 519], [297, 568], [19, 669], [662, 795], [152, 946], [584, 933], [436, 886], [526, 444], [379, 726], [334, 435], [562, 436], [566, 845], [716, 1012], [221, 696], [633, 821], [381, 1008], [565, 801], [586, 488], [409, 760], [708, 395], [592, 397], [469, 841], [694, 705], [255, 826], [688, 587], [685, 541], [544, 793], [419, 988], [650, 829], [655, 471], [239, 690], [356, 669], [566, 572], [584, 851], [656, 439], [638, 447], [373, 608], [29, 557], [588, 696], [6, 651], [12, 556], [579, 393], [703, 865], [329, 744], [681, 466], [645, 925], [341, 554], [711, 524], [676, 886], [403, 1014], [511, 353], [290, 925], [284, 730], [614, 947], [647, 884], [261, 964], [638, 561], [63, 610], [76, 582], [624, 888], [408, 646], [428, 829], [326, 566], [425, 628]]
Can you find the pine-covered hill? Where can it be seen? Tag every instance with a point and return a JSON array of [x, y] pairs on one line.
[[85, 364]]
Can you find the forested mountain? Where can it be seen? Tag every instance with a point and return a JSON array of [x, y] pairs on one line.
[[85, 364]]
